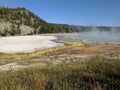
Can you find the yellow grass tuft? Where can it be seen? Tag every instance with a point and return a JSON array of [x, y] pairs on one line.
[[74, 44]]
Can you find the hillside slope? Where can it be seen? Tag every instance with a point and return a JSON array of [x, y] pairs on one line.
[[20, 21]]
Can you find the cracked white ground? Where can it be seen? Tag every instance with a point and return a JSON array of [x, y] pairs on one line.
[[26, 44]]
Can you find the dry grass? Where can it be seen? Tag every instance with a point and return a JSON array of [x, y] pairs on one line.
[[96, 73], [93, 73]]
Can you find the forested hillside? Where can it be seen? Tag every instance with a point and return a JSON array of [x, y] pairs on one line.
[[15, 20], [20, 21]]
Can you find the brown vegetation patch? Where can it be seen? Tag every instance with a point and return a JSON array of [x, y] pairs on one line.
[[106, 47], [74, 50]]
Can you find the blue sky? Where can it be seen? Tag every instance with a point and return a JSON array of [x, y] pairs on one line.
[[77, 12]]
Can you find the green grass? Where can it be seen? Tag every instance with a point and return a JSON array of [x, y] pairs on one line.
[[96, 73]]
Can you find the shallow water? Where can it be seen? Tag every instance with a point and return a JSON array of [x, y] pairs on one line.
[[97, 36]]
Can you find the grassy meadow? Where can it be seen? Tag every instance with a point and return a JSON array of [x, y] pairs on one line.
[[95, 73], [63, 68]]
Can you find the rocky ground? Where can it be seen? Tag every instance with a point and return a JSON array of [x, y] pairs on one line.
[[70, 54]]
